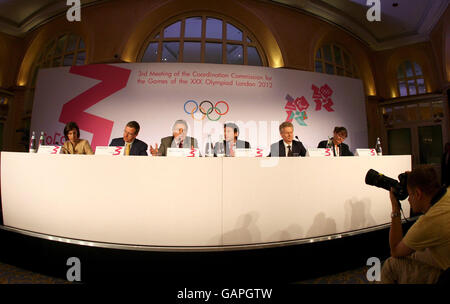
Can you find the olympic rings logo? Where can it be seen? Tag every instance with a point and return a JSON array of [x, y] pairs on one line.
[[206, 113]]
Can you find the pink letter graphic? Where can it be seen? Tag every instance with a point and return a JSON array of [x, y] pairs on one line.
[[113, 79]]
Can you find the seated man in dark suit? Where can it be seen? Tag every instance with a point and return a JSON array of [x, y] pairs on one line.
[[337, 142], [177, 140], [133, 146], [231, 142], [287, 146]]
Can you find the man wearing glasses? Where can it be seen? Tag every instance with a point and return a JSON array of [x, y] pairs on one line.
[[337, 142], [133, 146], [179, 139]]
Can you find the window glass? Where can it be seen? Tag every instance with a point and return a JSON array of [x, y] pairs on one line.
[[173, 31], [327, 53], [409, 74], [81, 58], [68, 60], [170, 51], [235, 54], [72, 43], [233, 33], [213, 52], [329, 68], [253, 56], [213, 28], [151, 54], [417, 69], [193, 27], [421, 86], [204, 39], [412, 87], [337, 55], [408, 68], [318, 67], [319, 54], [192, 52], [402, 88]]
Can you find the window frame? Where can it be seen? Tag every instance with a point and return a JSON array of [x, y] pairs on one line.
[[406, 79], [156, 36], [350, 70]]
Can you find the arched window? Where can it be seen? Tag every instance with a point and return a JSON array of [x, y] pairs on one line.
[[65, 50], [203, 39], [410, 79], [333, 59]]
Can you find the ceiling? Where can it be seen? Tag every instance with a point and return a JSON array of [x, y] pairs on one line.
[[402, 21], [410, 21]]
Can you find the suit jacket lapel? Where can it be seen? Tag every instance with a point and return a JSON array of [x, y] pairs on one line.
[[295, 147], [133, 147]]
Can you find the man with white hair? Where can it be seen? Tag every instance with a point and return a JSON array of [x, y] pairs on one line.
[[179, 139]]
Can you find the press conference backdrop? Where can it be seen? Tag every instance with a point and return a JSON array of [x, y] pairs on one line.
[[103, 98]]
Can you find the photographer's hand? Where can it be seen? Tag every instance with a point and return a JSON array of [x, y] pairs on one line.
[[394, 202], [398, 248]]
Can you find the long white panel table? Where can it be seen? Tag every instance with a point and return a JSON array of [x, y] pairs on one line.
[[193, 202]]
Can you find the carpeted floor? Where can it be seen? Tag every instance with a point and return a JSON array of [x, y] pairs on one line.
[[355, 276], [13, 275]]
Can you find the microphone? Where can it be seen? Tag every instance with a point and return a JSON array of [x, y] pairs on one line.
[[296, 137], [329, 142]]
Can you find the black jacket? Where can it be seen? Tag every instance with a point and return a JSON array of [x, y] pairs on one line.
[[343, 148], [138, 148], [278, 150]]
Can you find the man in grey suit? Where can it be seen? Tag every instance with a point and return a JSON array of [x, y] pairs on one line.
[[177, 140], [231, 141]]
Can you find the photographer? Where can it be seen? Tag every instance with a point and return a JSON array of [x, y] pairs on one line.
[[422, 255]]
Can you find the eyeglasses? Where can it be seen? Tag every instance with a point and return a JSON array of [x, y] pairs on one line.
[[128, 133]]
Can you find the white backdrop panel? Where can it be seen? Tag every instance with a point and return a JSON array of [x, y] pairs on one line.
[[121, 92]]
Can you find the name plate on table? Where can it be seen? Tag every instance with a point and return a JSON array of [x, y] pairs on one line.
[[49, 150], [320, 152], [242, 152], [366, 152], [110, 150], [183, 152]]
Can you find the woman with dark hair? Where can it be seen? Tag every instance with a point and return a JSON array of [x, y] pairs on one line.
[[337, 142], [73, 143]]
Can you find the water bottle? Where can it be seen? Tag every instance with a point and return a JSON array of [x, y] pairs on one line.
[[220, 148], [378, 148], [209, 149], [234, 150], [41, 139], [33, 143]]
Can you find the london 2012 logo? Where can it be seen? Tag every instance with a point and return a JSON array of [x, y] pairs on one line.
[[207, 109]]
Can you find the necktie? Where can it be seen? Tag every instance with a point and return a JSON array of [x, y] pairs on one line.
[[289, 151], [232, 149], [180, 145], [127, 149]]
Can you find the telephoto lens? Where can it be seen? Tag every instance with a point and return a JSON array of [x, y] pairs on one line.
[[373, 178]]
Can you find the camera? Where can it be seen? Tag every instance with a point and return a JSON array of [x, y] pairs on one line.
[[379, 180]]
